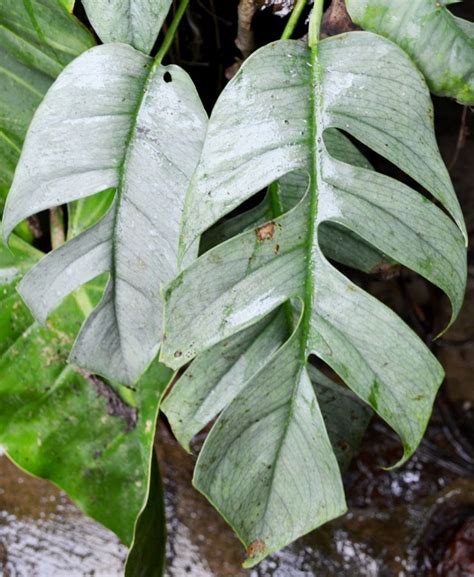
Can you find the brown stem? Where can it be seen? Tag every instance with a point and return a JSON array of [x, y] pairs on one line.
[[56, 222]]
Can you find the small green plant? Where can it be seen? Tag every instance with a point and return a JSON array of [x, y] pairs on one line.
[[153, 273]]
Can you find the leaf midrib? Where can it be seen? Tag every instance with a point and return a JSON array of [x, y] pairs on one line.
[[315, 169], [122, 174], [315, 129]]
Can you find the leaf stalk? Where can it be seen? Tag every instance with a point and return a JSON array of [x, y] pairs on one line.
[[170, 34], [293, 20], [315, 23]]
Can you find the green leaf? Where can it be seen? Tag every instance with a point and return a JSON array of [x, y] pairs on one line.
[[148, 554], [138, 128], [267, 464], [86, 212], [88, 437], [37, 39], [68, 4], [134, 22], [440, 44]]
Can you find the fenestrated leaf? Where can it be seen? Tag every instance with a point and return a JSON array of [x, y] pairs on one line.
[[91, 439], [113, 119], [217, 376], [337, 242], [37, 39], [345, 416], [441, 44], [134, 22], [268, 464]]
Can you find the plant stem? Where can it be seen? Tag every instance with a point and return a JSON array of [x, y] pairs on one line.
[[170, 34], [315, 23], [56, 223], [293, 20]]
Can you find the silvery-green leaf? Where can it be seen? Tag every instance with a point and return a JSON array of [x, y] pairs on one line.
[[346, 417], [277, 487], [217, 376], [441, 44], [134, 22], [37, 39], [113, 119], [270, 121], [337, 242]]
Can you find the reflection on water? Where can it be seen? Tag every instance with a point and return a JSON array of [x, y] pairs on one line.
[[43, 535]]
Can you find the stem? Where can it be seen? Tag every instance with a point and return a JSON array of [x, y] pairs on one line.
[[56, 223], [315, 23], [170, 34], [293, 20]]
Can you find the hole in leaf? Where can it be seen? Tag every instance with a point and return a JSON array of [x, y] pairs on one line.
[[167, 77]]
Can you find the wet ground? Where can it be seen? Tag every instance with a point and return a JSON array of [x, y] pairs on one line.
[[416, 521]]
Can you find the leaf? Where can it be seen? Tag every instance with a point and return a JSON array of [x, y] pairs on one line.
[[137, 127], [88, 437], [217, 376], [337, 242], [267, 464], [68, 4], [134, 22], [148, 554], [86, 212], [440, 44], [37, 39]]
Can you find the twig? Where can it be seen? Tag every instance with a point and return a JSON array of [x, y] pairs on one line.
[[293, 19], [171, 32], [452, 431], [56, 223]]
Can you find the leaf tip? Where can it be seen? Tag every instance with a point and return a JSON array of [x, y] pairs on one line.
[[256, 551]]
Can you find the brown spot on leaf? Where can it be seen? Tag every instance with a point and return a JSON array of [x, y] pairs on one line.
[[256, 548], [266, 231]]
